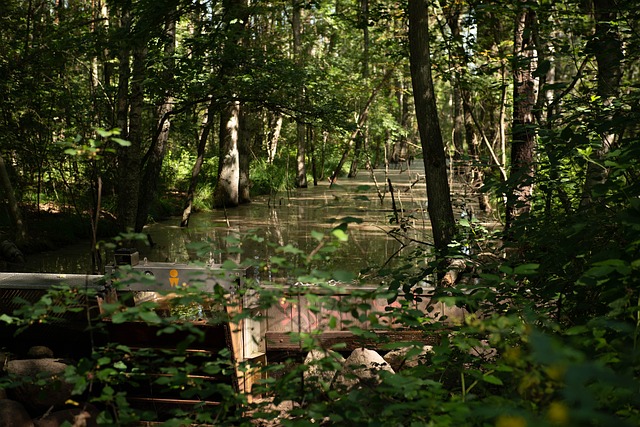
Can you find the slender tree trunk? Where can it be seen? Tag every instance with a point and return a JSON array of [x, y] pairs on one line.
[[609, 55], [248, 131], [361, 120], [452, 12], [438, 192], [360, 142], [274, 122], [14, 208], [525, 88], [129, 124], [155, 156], [301, 168], [400, 150], [197, 166]]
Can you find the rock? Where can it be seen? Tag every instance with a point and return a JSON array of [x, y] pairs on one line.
[[362, 366], [484, 351], [77, 417], [13, 414], [40, 352], [10, 252], [398, 359], [319, 371], [50, 390]]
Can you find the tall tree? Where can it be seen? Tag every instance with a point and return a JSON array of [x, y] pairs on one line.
[[301, 167], [438, 191], [128, 157], [226, 193], [153, 159], [608, 50], [14, 209], [523, 132]]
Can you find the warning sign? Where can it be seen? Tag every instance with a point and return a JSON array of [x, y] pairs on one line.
[[173, 278]]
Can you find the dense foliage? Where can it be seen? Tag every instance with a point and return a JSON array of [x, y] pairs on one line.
[[538, 102]]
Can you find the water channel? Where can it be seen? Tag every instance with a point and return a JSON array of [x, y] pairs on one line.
[[288, 218]]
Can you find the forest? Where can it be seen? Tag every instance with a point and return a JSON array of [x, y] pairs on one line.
[[118, 113]]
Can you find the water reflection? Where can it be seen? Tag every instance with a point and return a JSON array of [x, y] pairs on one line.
[[287, 219]]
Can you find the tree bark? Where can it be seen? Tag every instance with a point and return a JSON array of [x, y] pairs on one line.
[[155, 156], [197, 166], [248, 131], [525, 88], [226, 192], [274, 122], [129, 122], [438, 192], [301, 168], [14, 208], [609, 54]]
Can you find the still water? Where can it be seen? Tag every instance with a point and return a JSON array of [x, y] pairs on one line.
[[296, 218]]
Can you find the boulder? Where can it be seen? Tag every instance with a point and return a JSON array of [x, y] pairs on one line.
[[40, 352], [10, 252], [318, 372], [43, 383], [400, 359], [13, 414], [484, 351], [362, 367]]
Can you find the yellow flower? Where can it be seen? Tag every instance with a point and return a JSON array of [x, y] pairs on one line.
[[510, 421], [558, 413]]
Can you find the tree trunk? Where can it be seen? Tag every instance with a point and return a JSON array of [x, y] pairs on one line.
[[248, 130], [452, 12], [14, 209], [525, 88], [274, 122], [128, 176], [226, 192], [301, 168], [155, 156], [607, 47], [197, 166], [438, 192], [400, 151]]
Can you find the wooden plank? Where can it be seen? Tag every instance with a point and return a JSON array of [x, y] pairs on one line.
[[278, 341]]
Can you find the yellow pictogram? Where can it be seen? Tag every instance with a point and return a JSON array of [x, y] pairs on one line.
[[173, 278]]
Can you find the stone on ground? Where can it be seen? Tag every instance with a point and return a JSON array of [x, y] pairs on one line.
[[362, 367], [400, 359]]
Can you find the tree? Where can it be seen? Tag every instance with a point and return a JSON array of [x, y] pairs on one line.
[[301, 168], [438, 191], [14, 208], [227, 191], [153, 159], [608, 50], [525, 89]]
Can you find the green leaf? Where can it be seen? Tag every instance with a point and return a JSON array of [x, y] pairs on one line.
[[290, 249], [6, 318], [491, 379], [121, 142], [526, 269], [340, 234], [577, 330]]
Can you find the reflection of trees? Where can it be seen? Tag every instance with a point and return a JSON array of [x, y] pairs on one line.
[[274, 224]]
